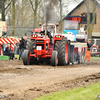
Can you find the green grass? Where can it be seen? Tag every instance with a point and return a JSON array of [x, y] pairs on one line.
[[95, 57], [87, 93]]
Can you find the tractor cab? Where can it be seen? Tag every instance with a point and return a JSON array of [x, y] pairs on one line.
[[73, 30], [70, 25], [51, 28], [70, 29]]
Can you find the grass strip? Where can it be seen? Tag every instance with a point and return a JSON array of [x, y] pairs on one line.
[[84, 93]]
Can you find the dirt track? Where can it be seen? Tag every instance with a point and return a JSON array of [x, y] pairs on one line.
[[28, 82]]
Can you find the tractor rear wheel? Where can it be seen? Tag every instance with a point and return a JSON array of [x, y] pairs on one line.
[[30, 46], [25, 57], [54, 58], [61, 47]]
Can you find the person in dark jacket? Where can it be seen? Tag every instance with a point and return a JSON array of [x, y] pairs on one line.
[[48, 33], [88, 54], [22, 46], [8, 52]]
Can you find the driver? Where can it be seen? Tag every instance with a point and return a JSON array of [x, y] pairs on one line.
[[71, 27], [48, 33]]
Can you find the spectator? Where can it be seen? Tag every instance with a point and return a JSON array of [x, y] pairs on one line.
[[88, 55], [2, 47], [8, 52], [22, 46]]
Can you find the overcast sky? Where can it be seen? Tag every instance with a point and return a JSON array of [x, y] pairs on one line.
[[71, 5]]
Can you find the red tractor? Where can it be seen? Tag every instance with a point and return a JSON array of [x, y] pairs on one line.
[[94, 50], [38, 49]]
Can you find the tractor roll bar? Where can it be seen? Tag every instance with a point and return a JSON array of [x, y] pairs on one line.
[[49, 24]]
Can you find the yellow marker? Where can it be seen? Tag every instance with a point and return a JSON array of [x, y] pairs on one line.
[[40, 24], [57, 24]]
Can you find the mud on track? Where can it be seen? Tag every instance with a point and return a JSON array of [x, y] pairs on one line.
[[29, 82]]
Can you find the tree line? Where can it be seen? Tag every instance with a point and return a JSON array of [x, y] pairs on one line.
[[28, 13]]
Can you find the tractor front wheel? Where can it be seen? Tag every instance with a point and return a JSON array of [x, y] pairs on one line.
[[25, 57], [54, 58]]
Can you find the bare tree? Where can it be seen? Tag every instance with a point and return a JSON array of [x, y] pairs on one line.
[[60, 29], [23, 13], [90, 25], [35, 5], [3, 7], [13, 17]]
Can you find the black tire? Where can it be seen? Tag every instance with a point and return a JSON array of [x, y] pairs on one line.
[[25, 57], [60, 47], [79, 61], [30, 46], [54, 58]]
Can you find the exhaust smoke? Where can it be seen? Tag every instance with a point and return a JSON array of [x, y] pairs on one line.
[[50, 15]]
